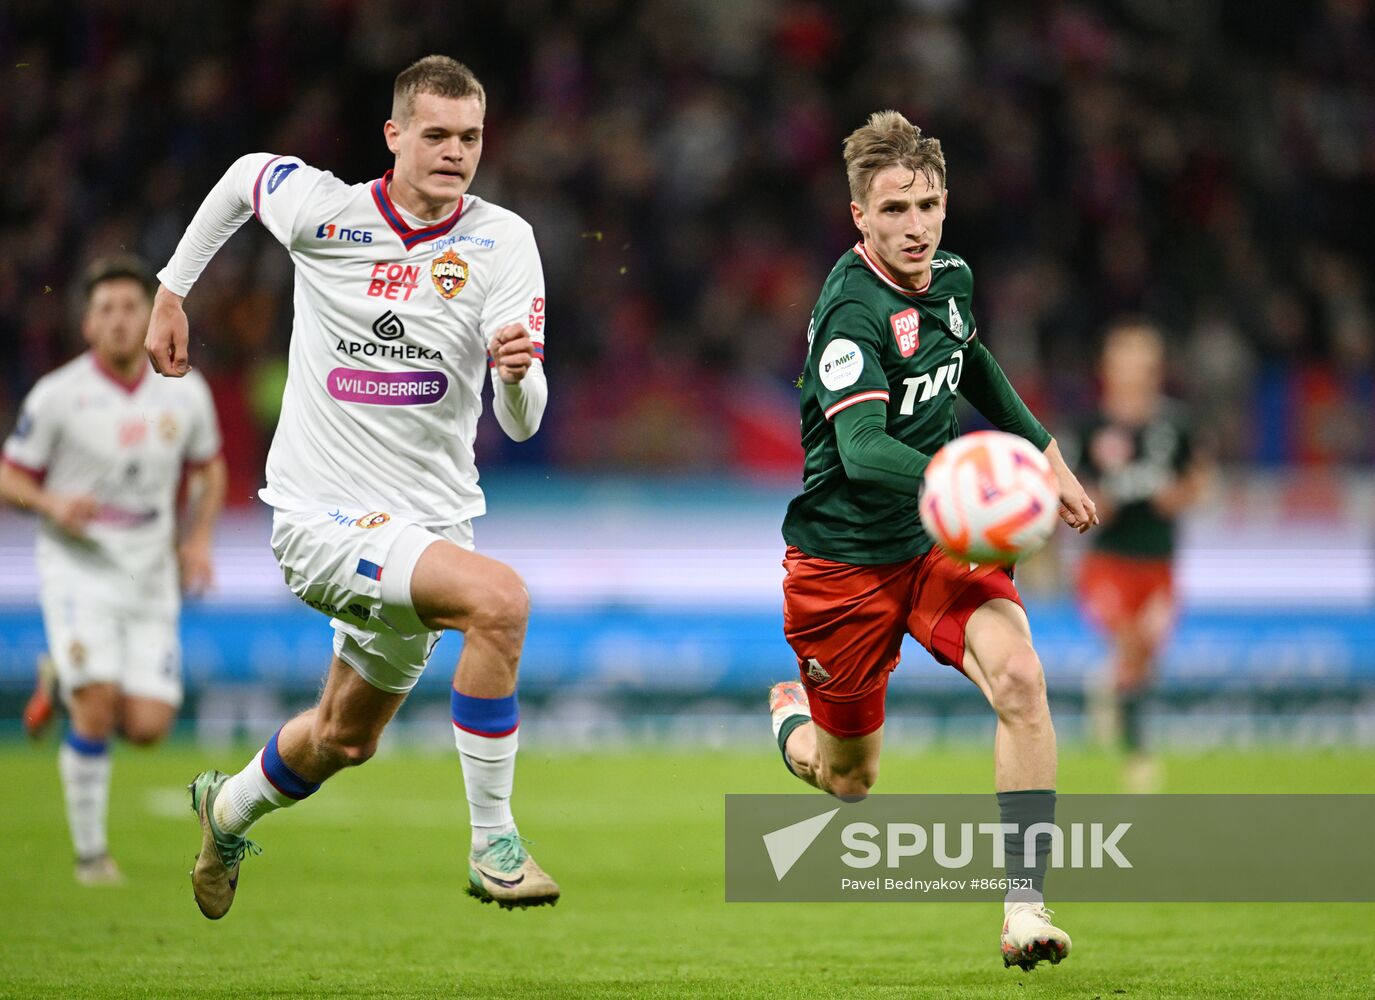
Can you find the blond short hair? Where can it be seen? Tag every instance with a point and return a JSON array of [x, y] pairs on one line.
[[888, 139], [1129, 328], [438, 75]]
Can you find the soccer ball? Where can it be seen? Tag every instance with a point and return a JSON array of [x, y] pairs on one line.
[[990, 497]]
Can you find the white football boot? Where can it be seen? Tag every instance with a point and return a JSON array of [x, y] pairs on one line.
[[1029, 937]]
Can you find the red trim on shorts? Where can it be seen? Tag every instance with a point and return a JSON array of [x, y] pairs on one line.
[[947, 637]]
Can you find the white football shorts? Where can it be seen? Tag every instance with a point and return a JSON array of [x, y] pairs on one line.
[[93, 643], [356, 567]]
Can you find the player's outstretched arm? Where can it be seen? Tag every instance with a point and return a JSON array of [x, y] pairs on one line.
[[22, 490], [986, 385], [1076, 506], [247, 185], [205, 490], [168, 335]]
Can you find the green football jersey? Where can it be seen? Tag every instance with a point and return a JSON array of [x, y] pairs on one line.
[[1130, 465], [871, 339]]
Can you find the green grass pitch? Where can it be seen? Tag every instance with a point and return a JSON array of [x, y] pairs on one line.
[[359, 893]]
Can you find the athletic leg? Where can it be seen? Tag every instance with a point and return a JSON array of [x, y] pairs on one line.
[[486, 600], [342, 730], [999, 658], [145, 721], [1138, 644], [84, 763], [150, 685], [845, 625], [845, 766]]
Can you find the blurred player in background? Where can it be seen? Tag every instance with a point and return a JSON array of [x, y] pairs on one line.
[[99, 453], [1143, 469], [892, 339], [408, 290]]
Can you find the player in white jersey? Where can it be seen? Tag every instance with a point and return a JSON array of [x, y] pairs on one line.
[[408, 289], [99, 453]]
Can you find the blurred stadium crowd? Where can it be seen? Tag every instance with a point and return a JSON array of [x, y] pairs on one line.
[[1209, 163]]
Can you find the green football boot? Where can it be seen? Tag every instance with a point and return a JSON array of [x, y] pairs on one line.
[[216, 875], [505, 873]]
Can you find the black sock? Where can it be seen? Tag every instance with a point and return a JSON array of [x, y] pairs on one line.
[[1131, 720], [786, 730], [1025, 809]]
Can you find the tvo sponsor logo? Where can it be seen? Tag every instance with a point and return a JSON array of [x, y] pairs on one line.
[[921, 388], [329, 231]]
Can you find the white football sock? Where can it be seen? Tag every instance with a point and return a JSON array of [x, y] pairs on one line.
[[86, 786], [246, 798], [489, 771]]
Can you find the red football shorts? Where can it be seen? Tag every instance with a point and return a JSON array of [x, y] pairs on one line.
[[1117, 591], [845, 623]]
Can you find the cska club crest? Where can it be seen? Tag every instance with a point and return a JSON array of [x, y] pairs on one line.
[[450, 273], [905, 326]]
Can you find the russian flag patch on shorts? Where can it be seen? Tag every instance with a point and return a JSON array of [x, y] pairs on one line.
[[369, 569]]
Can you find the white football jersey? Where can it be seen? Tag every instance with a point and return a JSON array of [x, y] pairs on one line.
[[84, 432], [389, 343]]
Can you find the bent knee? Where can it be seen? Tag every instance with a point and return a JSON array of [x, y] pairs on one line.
[[141, 736], [851, 784], [504, 606], [1019, 685]]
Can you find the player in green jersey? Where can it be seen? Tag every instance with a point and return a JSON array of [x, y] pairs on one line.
[[1143, 468], [892, 339]]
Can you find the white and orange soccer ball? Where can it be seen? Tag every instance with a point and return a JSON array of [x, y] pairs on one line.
[[990, 497]]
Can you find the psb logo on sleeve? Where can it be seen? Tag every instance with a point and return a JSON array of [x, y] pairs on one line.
[[840, 364]]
